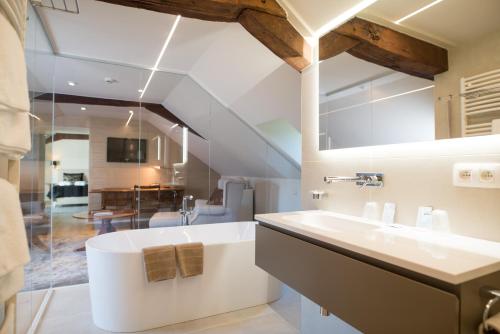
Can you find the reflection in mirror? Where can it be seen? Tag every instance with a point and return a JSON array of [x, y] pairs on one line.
[[363, 104], [390, 77]]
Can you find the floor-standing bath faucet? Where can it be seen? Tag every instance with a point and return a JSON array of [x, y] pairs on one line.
[[184, 211]]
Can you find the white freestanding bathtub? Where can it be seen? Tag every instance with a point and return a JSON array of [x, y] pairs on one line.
[[124, 301]]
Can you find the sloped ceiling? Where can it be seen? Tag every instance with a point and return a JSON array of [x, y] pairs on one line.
[[223, 61], [222, 57]]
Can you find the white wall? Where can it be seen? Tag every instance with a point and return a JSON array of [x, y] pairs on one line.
[[235, 147], [415, 174], [467, 60], [276, 195]]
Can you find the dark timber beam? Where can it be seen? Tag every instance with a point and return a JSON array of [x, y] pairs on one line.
[[386, 47], [263, 19], [209, 10], [156, 108], [279, 36], [62, 136]]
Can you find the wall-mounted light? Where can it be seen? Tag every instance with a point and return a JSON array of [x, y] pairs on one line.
[[417, 11], [185, 132], [131, 112], [158, 147], [160, 56]]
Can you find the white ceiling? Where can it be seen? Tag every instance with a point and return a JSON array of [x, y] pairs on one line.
[[454, 22], [222, 57], [127, 35]]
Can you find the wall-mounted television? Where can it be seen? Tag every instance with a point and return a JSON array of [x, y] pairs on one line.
[[127, 150]]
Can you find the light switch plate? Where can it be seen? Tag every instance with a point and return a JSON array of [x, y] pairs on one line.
[[476, 175]]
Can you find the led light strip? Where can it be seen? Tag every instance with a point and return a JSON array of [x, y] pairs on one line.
[[131, 112], [378, 100], [34, 116], [185, 132], [343, 17], [160, 56], [417, 11]]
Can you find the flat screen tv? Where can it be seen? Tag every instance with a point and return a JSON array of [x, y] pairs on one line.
[[127, 150]]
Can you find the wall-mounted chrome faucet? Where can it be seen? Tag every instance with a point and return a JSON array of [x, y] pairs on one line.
[[361, 179]]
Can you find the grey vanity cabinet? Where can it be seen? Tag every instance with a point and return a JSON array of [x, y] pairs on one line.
[[371, 299]]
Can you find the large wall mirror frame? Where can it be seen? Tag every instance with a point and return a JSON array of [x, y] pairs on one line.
[[386, 79]]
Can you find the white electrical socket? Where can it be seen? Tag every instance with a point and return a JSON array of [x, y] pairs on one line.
[[486, 175], [476, 175]]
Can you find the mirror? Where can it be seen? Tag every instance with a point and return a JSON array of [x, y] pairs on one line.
[[397, 74]]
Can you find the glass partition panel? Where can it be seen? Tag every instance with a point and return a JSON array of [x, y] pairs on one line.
[[36, 209], [101, 154]]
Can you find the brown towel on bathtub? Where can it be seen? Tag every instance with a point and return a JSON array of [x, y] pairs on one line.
[[159, 263], [190, 258]]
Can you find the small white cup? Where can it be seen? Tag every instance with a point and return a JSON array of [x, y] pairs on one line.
[[371, 211], [440, 221]]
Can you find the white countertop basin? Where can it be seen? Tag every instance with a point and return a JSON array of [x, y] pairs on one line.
[[448, 257]]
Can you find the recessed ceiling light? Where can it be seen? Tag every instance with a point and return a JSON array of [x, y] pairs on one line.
[[110, 81], [71, 83], [417, 11], [140, 90], [83, 108]]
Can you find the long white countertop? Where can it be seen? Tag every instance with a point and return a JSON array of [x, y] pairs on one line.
[[448, 257]]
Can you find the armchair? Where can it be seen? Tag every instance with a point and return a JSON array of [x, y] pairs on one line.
[[237, 205]]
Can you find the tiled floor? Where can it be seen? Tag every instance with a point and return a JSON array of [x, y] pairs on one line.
[[69, 312]]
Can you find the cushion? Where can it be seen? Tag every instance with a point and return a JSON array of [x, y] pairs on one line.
[[72, 177], [165, 219], [216, 197], [211, 210]]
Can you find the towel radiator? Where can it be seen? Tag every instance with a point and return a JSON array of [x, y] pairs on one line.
[[494, 296], [68, 6], [480, 103]]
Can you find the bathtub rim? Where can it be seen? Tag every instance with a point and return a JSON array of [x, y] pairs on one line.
[[139, 250]]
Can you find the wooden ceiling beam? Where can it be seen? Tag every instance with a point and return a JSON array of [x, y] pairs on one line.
[[156, 108], [333, 44], [386, 47], [279, 36], [266, 20], [209, 10]]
